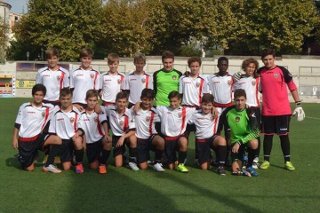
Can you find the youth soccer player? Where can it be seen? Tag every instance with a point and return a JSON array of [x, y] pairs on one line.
[[244, 129], [138, 80], [53, 77], [64, 124], [28, 136], [206, 124], [276, 111], [93, 128], [122, 125], [111, 82], [174, 119], [147, 136], [83, 79]]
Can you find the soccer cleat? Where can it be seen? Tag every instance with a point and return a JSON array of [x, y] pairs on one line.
[[133, 166], [246, 173], [79, 168], [289, 166], [255, 163], [265, 165], [252, 171], [102, 169], [221, 171], [51, 168], [158, 167], [182, 168]]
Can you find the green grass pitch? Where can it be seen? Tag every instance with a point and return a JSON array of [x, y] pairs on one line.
[[122, 190]]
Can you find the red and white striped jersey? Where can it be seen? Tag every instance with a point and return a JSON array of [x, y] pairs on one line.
[[111, 85], [221, 89], [64, 124], [174, 121], [192, 90], [145, 123], [120, 124], [81, 81], [206, 124], [136, 83], [31, 120], [251, 86], [53, 80]]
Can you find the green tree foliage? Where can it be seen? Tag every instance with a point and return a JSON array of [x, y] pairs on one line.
[[3, 40]]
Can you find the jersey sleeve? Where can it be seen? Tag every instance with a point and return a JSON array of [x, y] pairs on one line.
[[132, 123], [150, 84], [38, 78], [81, 123], [286, 75], [71, 79], [126, 85], [97, 83], [181, 84], [160, 110], [223, 124], [52, 127], [66, 79], [205, 88]]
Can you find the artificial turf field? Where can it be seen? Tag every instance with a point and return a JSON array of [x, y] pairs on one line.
[[122, 190]]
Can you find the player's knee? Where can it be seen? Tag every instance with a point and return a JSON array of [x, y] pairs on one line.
[[221, 141], [254, 144], [143, 165]]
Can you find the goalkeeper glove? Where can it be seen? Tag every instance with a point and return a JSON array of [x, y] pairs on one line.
[[298, 111], [237, 76]]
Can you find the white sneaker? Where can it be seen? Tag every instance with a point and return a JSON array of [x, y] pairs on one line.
[[133, 166], [255, 163], [158, 167], [51, 168]]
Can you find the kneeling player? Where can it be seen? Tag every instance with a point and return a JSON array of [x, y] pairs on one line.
[[95, 130], [244, 129], [147, 136], [206, 126], [122, 125], [28, 136]]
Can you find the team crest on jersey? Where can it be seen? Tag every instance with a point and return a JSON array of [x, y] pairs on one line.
[[237, 119], [143, 80], [92, 75], [58, 77], [72, 119], [121, 123], [148, 118], [174, 77], [253, 82], [119, 81], [276, 75], [197, 84]]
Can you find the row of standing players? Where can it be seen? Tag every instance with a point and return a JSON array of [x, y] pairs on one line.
[[193, 87]]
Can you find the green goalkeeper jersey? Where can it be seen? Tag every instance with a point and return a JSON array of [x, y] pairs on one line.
[[165, 82]]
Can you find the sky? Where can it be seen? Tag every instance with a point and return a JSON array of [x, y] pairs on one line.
[[18, 5]]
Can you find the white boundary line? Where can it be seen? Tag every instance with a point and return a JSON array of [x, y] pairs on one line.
[[315, 118]]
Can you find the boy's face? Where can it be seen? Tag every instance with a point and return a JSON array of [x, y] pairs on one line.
[[250, 69], [175, 102], [269, 61], [139, 65], [223, 66], [194, 68], [86, 62], [53, 62], [240, 102], [168, 64], [113, 66], [206, 107], [66, 101], [121, 104], [92, 102], [38, 97], [146, 103]]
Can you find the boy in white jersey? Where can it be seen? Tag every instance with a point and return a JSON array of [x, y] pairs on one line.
[[136, 81], [111, 82], [206, 126], [122, 125], [93, 128], [64, 124], [174, 119], [28, 136], [83, 79], [147, 135], [53, 77]]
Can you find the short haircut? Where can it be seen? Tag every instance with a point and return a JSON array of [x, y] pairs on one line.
[[37, 88], [92, 93], [223, 59], [207, 98], [52, 52], [167, 54], [194, 59], [174, 94], [86, 52], [113, 57], [147, 93], [240, 93], [266, 52], [139, 57], [65, 92], [122, 95]]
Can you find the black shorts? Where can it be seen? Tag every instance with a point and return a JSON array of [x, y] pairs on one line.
[[190, 128], [276, 124], [240, 154], [143, 149], [93, 151], [118, 150], [66, 151], [28, 150], [257, 112], [171, 147], [203, 147]]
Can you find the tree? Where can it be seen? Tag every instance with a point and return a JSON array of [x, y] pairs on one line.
[[3, 40]]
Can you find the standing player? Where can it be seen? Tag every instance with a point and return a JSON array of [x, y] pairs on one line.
[[111, 82], [147, 136], [136, 81], [28, 136], [53, 77], [276, 111], [165, 80], [83, 79]]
